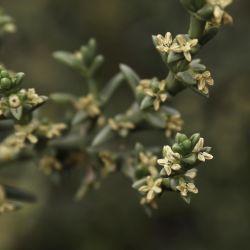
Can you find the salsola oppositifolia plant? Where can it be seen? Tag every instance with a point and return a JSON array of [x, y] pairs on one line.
[[85, 136]]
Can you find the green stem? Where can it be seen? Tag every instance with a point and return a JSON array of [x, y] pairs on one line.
[[174, 86], [196, 28]]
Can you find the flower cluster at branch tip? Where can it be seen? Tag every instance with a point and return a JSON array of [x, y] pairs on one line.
[[20, 102], [181, 44]]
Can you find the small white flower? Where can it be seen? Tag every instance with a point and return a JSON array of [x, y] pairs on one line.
[[185, 46], [165, 43], [202, 156], [14, 101], [186, 188], [171, 160], [152, 188]]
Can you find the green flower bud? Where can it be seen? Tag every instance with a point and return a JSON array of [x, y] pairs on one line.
[[195, 138], [177, 148], [5, 83], [186, 145], [4, 73], [190, 160], [19, 77], [180, 137]]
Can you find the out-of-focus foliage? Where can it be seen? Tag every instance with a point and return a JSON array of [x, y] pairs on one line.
[[219, 218]]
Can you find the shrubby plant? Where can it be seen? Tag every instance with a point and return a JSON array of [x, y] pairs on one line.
[[87, 137]]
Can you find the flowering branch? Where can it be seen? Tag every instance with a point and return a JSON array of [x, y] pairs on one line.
[[91, 139]]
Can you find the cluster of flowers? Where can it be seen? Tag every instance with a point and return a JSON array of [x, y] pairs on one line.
[[179, 167], [84, 138], [14, 101]]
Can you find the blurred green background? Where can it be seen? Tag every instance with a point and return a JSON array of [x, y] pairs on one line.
[[112, 219]]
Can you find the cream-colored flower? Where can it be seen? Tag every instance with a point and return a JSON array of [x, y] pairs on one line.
[[220, 15], [26, 132], [192, 173], [121, 127], [159, 94], [52, 130], [202, 156], [151, 189], [204, 81], [165, 43], [107, 159], [174, 124], [148, 160], [88, 104], [221, 3], [171, 160], [185, 46], [33, 98], [14, 101], [48, 164], [186, 188]]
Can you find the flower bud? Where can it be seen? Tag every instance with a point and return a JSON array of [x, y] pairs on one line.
[[180, 137], [14, 101], [5, 83]]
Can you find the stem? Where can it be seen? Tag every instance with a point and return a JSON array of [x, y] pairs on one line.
[[92, 86], [196, 28], [174, 86]]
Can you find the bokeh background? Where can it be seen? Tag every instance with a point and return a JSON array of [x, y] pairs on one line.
[[112, 219]]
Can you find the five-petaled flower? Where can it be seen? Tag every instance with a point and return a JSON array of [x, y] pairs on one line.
[[185, 46], [152, 188], [186, 188], [165, 43], [171, 160], [202, 155]]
